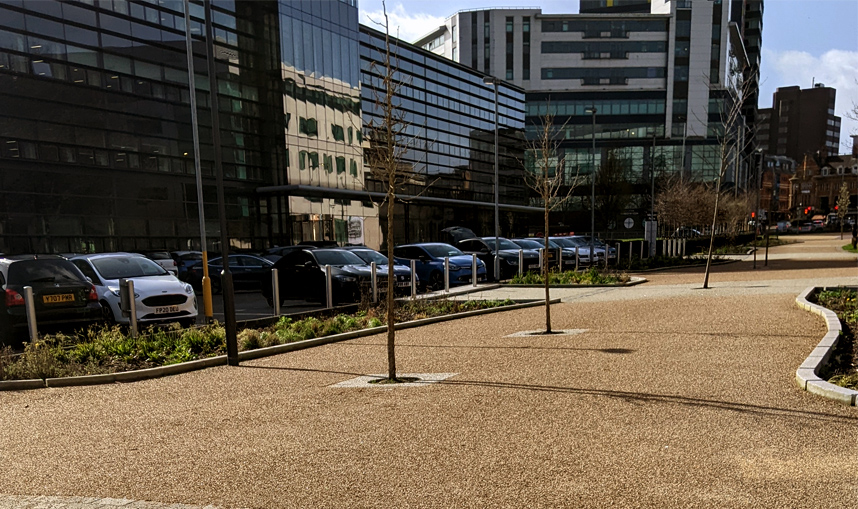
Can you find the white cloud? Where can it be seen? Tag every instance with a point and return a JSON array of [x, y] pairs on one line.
[[835, 68], [404, 25]]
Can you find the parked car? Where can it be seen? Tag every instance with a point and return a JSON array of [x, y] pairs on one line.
[[456, 233], [248, 272], [577, 244], [402, 272], [553, 253], [430, 263], [275, 253], [159, 296], [301, 275], [164, 259], [62, 296], [185, 259], [610, 251], [784, 226], [566, 255], [801, 227], [817, 225], [508, 255], [684, 232]]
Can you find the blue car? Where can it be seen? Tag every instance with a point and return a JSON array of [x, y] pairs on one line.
[[429, 264]]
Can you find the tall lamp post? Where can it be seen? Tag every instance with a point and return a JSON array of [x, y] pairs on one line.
[[592, 110], [759, 180], [491, 80]]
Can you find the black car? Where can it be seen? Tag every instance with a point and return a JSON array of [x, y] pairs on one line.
[[62, 296], [301, 276], [484, 248], [402, 285], [248, 272]]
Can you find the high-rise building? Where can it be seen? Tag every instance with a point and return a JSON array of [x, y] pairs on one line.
[[657, 73], [800, 122]]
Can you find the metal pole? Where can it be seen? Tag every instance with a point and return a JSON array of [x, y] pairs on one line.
[[192, 90], [474, 270], [275, 290], [413, 279], [132, 308], [520, 262], [447, 274], [759, 180], [329, 288], [619, 251], [226, 275], [497, 189], [542, 260], [576, 258], [593, 188], [30, 306], [373, 268]]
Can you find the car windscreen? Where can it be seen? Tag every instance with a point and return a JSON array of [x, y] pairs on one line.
[[333, 257], [442, 250], [160, 255], [504, 243], [565, 242], [118, 267], [43, 271], [191, 257], [369, 256], [529, 244]]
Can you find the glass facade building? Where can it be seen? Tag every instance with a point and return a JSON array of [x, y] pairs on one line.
[[96, 140], [449, 112]]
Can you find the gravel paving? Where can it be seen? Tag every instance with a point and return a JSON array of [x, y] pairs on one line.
[[676, 397]]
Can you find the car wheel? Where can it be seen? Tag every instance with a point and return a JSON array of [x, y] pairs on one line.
[[107, 313], [436, 281]]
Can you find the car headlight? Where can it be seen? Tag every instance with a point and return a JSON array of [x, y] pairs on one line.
[[115, 291], [512, 261], [189, 289], [347, 279], [455, 268]]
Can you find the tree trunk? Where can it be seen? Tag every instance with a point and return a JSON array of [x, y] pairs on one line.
[[712, 234], [545, 275], [391, 326]]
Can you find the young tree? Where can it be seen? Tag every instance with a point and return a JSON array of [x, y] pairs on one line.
[[613, 187], [546, 175], [842, 206], [386, 158]]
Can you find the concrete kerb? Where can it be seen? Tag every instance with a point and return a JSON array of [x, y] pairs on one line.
[[634, 280], [807, 374], [184, 367]]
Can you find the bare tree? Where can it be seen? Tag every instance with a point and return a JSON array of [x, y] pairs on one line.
[[730, 144], [546, 175], [613, 187], [842, 206], [386, 157]]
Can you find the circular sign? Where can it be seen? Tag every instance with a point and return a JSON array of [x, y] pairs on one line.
[[629, 222]]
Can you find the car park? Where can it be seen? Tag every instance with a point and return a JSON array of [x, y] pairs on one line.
[[402, 272], [508, 255], [553, 253], [578, 245], [610, 251], [249, 272], [429, 263], [185, 259], [159, 296], [301, 275], [162, 258], [566, 255], [62, 296]]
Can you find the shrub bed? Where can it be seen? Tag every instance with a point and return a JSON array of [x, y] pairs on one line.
[[593, 276], [842, 369], [103, 350]]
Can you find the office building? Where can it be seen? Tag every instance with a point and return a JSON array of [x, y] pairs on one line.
[[800, 122], [655, 72]]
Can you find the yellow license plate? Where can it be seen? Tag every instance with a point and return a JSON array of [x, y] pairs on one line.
[[58, 298]]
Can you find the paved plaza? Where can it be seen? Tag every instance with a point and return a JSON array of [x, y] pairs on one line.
[[667, 395]]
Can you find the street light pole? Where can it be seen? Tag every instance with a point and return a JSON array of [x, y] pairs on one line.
[[759, 180], [226, 275], [592, 111], [491, 80], [192, 92]]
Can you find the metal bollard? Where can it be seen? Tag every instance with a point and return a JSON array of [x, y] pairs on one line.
[[474, 270], [130, 303], [413, 279], [374, 269], [520, 262], [31, 313], [560, 259], [275, 290], [630, 254], [576, 259], [683, 248], [642, 249], [329, 288], [447, 274], [541, 258]]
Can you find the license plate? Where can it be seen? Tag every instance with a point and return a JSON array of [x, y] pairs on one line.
[[58, 298], [166, 309], [404, 284], [533, 266]]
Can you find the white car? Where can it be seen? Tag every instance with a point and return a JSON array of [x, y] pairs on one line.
[[160, 297]]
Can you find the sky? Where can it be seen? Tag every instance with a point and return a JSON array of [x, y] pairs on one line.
[[804, 41]]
